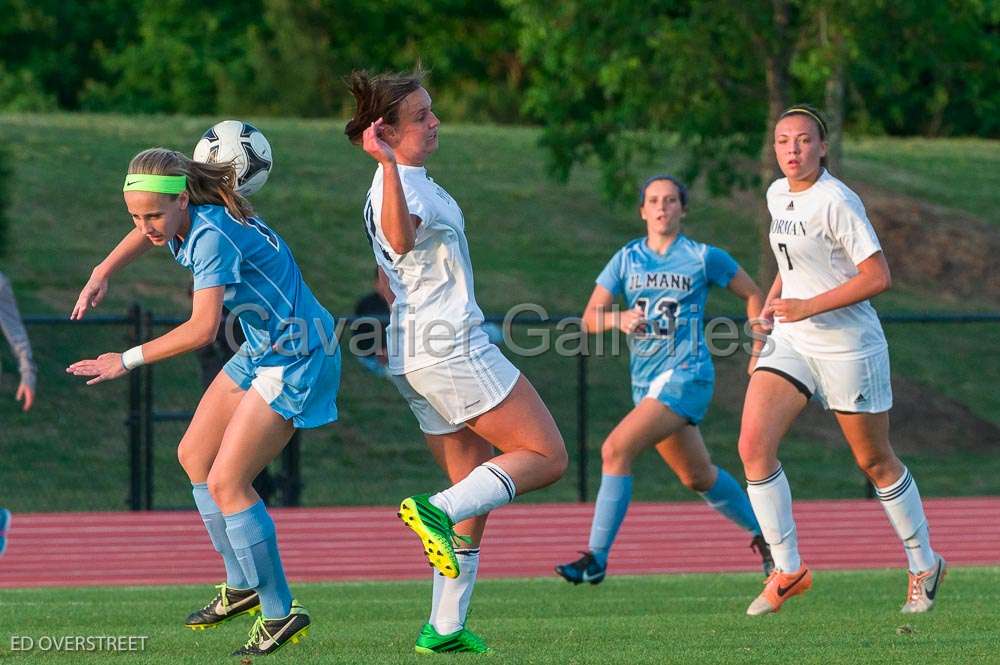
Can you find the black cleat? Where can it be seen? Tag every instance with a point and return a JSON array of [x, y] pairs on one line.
[[584, 569], [269, 635], [228, 603], [760, 546]]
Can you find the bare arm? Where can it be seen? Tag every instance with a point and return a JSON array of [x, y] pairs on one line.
[[774, 293], [132, 246], [872, 279], [600, 315], [742, 285], [196, 332], [398, 225]]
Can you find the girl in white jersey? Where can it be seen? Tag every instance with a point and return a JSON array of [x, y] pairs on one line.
[[467, 397], [826, 343]]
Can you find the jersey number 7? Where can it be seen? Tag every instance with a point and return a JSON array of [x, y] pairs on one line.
[[782, 247]]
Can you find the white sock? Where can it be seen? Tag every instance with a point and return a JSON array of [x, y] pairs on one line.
[[771, 499], [905, 510], [451, 597], [486, 488], [436, 589]]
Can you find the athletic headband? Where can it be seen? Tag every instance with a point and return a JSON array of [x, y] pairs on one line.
[[799, 109], [161, 184]]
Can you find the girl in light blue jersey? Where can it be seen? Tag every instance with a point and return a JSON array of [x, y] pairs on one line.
[[290, 360], [664, 279]]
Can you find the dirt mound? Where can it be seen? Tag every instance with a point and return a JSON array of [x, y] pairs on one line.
[[936, 247], [929, 247], [922, 420]]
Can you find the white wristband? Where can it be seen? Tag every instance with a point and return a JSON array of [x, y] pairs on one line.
[[133, 358]]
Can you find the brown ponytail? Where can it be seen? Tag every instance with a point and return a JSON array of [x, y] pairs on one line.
[[378, 96], [206, 183]]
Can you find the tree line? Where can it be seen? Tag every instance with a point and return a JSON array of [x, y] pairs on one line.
[[607, 80], [264, 57], [926, 67]]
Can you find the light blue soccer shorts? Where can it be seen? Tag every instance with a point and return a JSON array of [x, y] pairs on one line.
[[302, 389], [682, 392]]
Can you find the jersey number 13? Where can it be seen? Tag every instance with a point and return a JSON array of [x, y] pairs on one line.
[[661, 315]]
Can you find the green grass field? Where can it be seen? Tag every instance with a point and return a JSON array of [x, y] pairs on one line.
[[848, 617], [960, 173], [531, 240]]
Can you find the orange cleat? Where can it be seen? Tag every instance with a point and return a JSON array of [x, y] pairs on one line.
[[778, 588]]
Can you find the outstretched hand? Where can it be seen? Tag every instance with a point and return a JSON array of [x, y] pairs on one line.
[[375, 145], [104, 367], [91, 295], [26, 393]]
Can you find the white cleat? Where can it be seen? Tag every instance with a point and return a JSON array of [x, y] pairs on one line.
[[923, 588]]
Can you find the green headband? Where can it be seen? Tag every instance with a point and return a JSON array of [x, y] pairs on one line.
[[161, 184], [797, 109]]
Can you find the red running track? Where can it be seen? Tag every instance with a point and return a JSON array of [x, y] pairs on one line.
[[322, 544]]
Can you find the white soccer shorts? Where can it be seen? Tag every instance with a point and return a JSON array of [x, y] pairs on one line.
[[851, 386], [445, 395]]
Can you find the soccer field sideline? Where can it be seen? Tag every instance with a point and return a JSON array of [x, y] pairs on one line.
[[337, 544]]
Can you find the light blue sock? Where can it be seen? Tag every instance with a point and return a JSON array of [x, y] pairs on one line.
[[727, 497], [251, 532], [216, 525], [612, 504]]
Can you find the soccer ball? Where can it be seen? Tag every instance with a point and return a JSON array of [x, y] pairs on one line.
[[244, 145]]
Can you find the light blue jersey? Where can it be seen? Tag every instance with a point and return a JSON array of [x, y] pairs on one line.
[[291, 355], [669, 359]]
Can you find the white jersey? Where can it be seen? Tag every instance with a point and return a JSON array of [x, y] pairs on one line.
[[818, 236], [435, 316]]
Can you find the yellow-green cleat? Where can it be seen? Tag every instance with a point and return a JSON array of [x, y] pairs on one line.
[[269, 635], [435, 530], [461, 641]]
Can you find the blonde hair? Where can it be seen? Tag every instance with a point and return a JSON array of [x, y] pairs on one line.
[[206, 183]]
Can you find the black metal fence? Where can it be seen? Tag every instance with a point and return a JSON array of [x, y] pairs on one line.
[[142, 414]]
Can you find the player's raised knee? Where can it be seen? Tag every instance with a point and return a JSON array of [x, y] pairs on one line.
[[881, 469], [614, 452], [559, 461], [699, 480], [224, 490], [749, 446], [757, 457], [188, 456]]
